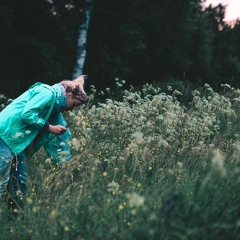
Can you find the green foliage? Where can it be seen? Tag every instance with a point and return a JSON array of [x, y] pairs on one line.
[[159, 40], [38, 42], [144, 167]]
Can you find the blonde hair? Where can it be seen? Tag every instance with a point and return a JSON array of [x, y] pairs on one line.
[[76, 86]]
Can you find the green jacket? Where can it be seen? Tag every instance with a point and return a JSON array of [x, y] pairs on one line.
[[25, 116], [57, 147]]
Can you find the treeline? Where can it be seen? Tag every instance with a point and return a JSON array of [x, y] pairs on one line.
[[157, 40], [139, 41], [38, 42]]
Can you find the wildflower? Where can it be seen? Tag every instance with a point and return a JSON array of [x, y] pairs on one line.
[[163, 143], [120, 207], [135, 200], [218, 161], [74, 144], [35, 209], [176, 92], [48, 160], [29, 200], [195, 93], [53, 214], [119, 84], [15, 210], [138, 135], [179, 164], [226, 85], [113, 187], [205, 102], [66, 228], [104, 174]]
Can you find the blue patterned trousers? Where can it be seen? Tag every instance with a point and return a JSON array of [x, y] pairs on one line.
[[13, 171]]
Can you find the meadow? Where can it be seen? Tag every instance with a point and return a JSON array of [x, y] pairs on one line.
[[146, 164]]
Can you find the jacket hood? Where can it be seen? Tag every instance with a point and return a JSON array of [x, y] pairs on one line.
[[61, 98]]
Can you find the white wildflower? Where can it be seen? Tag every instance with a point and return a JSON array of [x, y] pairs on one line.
[[226, 85], [195, 93], [135, 200], [113, 187], [163, 143], [74, 143], [218, 161], [138, 136], [48, 160], [179, 164], [176, 92]]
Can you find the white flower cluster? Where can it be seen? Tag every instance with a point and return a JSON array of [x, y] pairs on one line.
[[150, 125]]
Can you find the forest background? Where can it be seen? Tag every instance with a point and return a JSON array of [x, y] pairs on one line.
[[139, 41]]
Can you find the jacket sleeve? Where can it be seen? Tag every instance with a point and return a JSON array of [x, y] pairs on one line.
[[57, 147], [36, 109]]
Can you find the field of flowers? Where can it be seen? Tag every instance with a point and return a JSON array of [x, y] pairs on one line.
[[146, 165]]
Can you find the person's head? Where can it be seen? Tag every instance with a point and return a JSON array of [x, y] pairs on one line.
[[75, 92]]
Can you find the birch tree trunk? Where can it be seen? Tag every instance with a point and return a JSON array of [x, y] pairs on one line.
[[82, 40]]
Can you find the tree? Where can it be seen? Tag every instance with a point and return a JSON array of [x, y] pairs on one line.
[[38, 43]]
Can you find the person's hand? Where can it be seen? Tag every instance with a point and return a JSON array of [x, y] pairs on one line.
[[56, 129]]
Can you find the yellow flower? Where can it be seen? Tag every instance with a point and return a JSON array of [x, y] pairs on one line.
[[66, 228], [35, 209], [15, 210], [150, 168], [53, 214], [29, 200], [104, 174], [120, 207]]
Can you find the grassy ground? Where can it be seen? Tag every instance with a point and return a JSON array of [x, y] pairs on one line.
[[145, 167]]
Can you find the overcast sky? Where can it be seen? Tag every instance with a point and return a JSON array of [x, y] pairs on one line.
[[232, 10]]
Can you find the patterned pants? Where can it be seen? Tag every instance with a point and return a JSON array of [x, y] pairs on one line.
[[13, 171]]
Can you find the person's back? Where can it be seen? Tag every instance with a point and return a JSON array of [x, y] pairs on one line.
[[21, 120]]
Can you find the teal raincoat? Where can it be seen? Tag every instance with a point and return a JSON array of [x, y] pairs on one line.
[[22, 120]]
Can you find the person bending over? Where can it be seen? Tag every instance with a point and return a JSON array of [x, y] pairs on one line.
[[35, 118]]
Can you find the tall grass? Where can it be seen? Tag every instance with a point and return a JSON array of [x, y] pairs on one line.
[[147, 166]]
